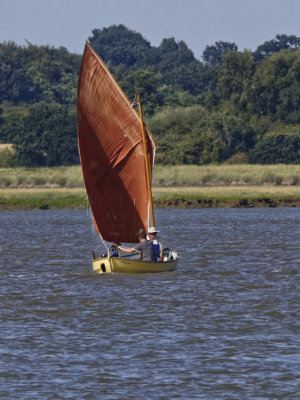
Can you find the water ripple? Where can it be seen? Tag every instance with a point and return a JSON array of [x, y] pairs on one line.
[[225, 325]]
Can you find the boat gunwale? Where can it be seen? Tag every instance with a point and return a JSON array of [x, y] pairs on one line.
[[132, 266], [135, 261]]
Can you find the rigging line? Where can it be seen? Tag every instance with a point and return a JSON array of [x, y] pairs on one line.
[[105, 245], [146, 163]]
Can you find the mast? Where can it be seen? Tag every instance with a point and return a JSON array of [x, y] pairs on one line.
[[146, 163]]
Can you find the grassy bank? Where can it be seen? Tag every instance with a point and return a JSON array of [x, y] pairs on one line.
[[51, 177], [228, 196], [42, 199], [179, 197], [173, 186], [183, 175], [219, 175]]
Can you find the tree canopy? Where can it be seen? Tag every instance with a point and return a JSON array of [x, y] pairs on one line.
[[201, 111], [213, 54], [47, 136]]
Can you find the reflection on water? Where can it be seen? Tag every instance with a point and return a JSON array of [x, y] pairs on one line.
[[225, 325]]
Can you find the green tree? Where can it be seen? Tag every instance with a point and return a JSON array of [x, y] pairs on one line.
[[185, 136], [47, 136], [10, 127], [213, 54], [277, 148], [35, 73], [232, 128], [146, 85], [280, 42], [120, 45], [172, 54], [15, 85], [235, 77], [275, 90]]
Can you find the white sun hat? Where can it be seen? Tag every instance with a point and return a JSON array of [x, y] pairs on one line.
[[152, 229]]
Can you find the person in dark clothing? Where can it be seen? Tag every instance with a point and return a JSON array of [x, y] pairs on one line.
[[144, 246], [114, 252], [157, 244]]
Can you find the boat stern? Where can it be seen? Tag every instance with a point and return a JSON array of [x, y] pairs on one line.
[[102, 265]]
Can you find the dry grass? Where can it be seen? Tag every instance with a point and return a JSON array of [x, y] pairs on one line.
[[215, 175], [6, 146], [164, 191], [41, 198], [182, 175], [49, 192], [224, 196], [51, 177], [227, 191]]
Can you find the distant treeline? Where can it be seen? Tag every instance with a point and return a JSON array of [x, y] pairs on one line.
[[234, 106]]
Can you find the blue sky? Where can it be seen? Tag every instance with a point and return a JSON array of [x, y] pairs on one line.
[[69, 23]]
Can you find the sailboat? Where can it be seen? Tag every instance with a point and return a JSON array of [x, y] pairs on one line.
[[117, 154]]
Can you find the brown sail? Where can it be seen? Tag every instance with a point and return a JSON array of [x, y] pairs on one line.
[[111, 152]]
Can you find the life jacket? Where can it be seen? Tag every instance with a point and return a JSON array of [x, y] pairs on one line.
[[156, 247]]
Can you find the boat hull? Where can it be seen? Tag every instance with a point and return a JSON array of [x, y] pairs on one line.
[[123, 265]]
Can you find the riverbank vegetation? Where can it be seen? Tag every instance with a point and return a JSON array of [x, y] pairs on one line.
[[42, 199], [233, 105], [173, 186], [228, 126], [39, 177], [163, 176], [171, 197]]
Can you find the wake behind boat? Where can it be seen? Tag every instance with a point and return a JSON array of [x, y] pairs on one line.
[[117, 155]]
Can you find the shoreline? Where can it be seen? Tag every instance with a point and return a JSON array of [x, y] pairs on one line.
[[14, 199], [176, 203], [238, 203]]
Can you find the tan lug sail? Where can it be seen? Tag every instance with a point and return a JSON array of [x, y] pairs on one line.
[[116, 153]]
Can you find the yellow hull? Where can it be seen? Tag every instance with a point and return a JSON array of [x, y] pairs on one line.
[[123, 265]]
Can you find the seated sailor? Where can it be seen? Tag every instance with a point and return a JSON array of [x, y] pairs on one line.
[[114, 252], [145, 246], [157, 244]]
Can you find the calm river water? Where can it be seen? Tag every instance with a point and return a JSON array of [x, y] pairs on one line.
[[225, 325]]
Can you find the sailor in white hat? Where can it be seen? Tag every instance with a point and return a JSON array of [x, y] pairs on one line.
[[157, 244]]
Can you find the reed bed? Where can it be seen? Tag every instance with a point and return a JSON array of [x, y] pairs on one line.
[[6, 146], [173, 186], [227, 196], [163, 176], [217, 175], [43, 177], [226, 192], [208, 196], [42, 198]]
